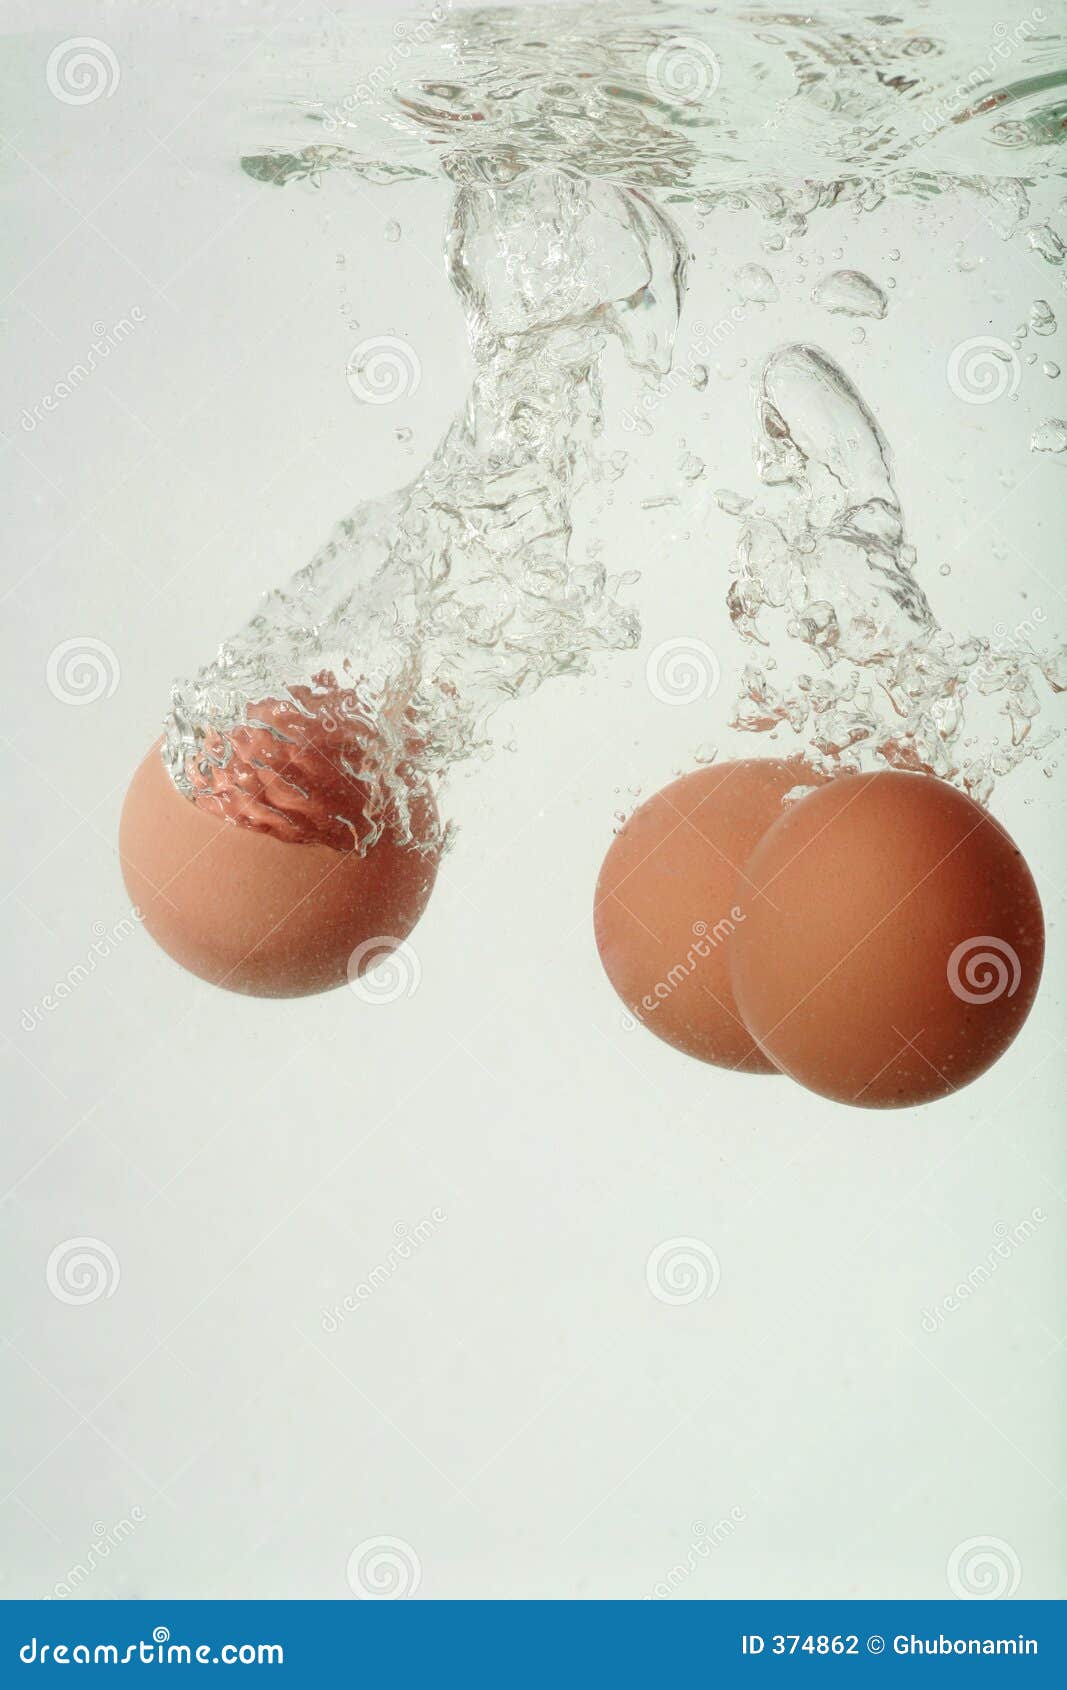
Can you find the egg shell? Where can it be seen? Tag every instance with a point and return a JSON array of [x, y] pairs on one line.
[[257, 914], [893, 943], [666, 906]]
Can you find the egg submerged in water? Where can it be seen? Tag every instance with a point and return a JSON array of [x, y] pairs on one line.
[[667, 910], [255, 885], [893, 940]]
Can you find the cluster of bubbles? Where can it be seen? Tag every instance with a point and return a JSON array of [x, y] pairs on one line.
[[566, 135], [831, 561]]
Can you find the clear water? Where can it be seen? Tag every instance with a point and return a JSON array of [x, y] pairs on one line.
[[597, 157]]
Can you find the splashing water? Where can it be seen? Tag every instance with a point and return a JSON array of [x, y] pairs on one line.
[[565, 135]]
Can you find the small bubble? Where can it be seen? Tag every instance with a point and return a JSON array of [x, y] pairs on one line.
[[1042, 317], [1045, 241], [1051, 370], [403, 434], [756, 284], [393, 231], [1051, 436], [851, 293]]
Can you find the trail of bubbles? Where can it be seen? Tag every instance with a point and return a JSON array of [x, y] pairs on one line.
[[377, 667], [831, 561]]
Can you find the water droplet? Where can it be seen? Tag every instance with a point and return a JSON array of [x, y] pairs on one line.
[[393, 231], [1051, 436], [1042, 317], [852, 293], [403, 434], [1046, 242], [699, 377], [1051, 370], [756, 284]]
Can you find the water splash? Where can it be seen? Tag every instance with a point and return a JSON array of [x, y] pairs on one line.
[[833, 561], [565, 135], [427, 609]]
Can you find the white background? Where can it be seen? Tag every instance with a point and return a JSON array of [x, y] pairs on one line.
[[514, 1404]]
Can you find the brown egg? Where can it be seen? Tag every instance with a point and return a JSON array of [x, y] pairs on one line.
[[667, 909], [255, 913], [893, 940]]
